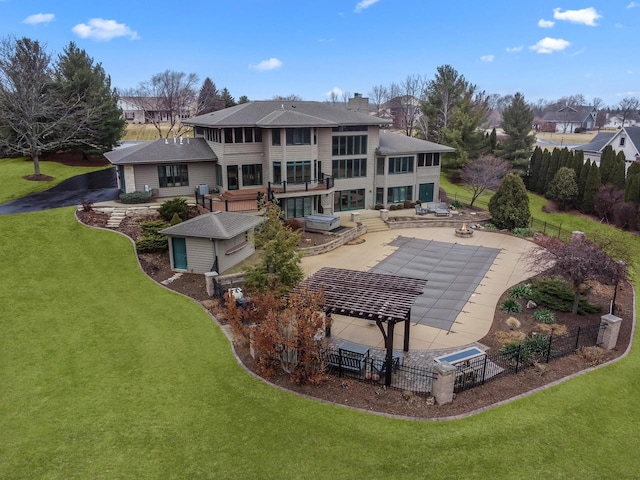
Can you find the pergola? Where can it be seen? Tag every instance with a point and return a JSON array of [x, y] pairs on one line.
[[371, 296]]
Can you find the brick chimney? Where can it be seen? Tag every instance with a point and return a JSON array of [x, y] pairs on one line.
[[359, 103]]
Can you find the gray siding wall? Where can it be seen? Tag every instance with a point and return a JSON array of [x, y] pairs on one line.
[[226, 261], [200, 254], [204, 172]]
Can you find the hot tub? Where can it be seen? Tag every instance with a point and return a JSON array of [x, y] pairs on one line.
[[321, 222]]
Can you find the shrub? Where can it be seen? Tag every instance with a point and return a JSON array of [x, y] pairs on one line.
[[592, 355], [407, 204], [556, 294], [511, 306], [509, 206], [378, 206], [457, 204], [156, 243], [135, 197], [175, 219], [87, 206], [293, 224], [523, 232], [532, 349], [520, 291], [544, 316], [152, 227], [489, 226], [175, 205]]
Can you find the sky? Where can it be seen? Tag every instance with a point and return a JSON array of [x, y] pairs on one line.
[[264, 48]]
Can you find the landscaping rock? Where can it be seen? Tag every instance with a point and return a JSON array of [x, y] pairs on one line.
[[531, 304]]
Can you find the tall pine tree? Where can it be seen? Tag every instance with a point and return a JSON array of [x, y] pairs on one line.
[[616, 174], [516, 123], [606, 163], [582, 179], [209, 99], [590, 189]]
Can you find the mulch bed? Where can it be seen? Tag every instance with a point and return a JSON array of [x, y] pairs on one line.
[[376, 398]]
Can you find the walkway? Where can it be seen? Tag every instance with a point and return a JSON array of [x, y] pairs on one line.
[[473, 318]]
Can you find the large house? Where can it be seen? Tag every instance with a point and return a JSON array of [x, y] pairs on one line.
[[626, 139], [569, 118], [149, 110], [313, 156]]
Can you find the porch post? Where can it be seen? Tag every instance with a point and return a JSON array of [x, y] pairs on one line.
[[407, 327], [389, 360]]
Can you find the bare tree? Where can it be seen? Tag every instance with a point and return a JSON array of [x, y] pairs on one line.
[[578, 261], [484, 173], [379, 95], [627, 107], [287, 98], [35, 116], [405, 99], [607, 197], [166, 98], [344, 98]]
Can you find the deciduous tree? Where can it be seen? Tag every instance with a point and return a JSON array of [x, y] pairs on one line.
[[484, 173], [627, 107]]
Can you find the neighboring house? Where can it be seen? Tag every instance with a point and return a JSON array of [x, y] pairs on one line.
[[317, 158], [626, 140], [149, 110], [404, 110], [212, 242], [614, 120], [568, 118], [167, 168]]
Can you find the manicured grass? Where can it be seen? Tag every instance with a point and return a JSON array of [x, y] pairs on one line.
[[147, 131], [106, 375], [14, 186], [568, 138]]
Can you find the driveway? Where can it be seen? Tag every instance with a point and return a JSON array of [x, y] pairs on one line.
[[95, 187]]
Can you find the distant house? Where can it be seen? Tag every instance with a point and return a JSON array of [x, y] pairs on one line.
[[569, 118], [212, 242], [404, 110], [626, 140], [149, 110], [614, 120]]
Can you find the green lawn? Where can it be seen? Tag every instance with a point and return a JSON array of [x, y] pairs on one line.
[[139, 132], [14, 186], [105, 374]]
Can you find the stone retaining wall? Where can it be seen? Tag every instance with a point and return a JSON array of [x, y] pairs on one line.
[[421, 223], [340, 240]]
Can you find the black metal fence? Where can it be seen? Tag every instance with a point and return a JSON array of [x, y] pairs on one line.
[[511, 360], [240, 205]]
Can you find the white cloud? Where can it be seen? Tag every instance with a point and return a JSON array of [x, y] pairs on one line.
[[335, 91], [104, 30], [364, 4], [542, 23], [550, 45], [586, 16], [269, 64], [39, 18], [487, 58], [633, 5], [515, 49]]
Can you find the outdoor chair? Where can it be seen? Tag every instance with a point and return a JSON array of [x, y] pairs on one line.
[[441, 209], [420, 210]]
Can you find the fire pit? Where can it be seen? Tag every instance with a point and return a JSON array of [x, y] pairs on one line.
[[464, 232]]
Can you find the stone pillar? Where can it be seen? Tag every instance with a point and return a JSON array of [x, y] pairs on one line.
[[384, 214], [609, 330], [355, 217], [443, 382], [209, 278]]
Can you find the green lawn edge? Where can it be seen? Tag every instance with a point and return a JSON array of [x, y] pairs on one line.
[[105, 374], [14, 186]]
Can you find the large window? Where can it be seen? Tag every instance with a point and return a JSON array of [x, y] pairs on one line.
[[299, 172], [252, 174], [298, 136], [399, 194], [400, 165], [379, 196], [241, 135], [349, 168], [348, 200], [297, 207], [349, 145], [173, 175], [350, 128], [219, 179], [380, 165], [429, 159], [213, 135], [275, 136], [277, 172]]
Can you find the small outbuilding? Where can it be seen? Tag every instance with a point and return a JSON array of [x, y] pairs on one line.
[[212, 242]]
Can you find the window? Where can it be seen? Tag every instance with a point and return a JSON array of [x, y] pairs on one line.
[[238, 135], [350, 128], [248, 135], [349, 168], [380, 166], [349, 145], [277, 172], [258, 135], [399, 194], [228, 135], [622, 141], [299, 172], [298, 136], [219, 175], [275, 136], [252, 174], [173, 175], [429, 159], [379, 196], [348, 200], [213, 135], [297, 207], [400, 165], [129, 115]]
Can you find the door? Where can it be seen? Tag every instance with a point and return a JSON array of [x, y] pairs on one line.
[[425, 192], [123, 185], [179, 248], [232, 177]]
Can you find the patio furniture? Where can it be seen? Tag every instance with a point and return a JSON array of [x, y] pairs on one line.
[[350, 357], [441, 209], [420, 210], [379, 365]]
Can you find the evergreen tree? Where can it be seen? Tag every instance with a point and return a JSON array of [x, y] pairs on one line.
[[493, 140], [227, 99], [243, 99], [564, 188], [590, 189], [78, 78], [582, 179], [509, 206], [578, 162], [534, 168], [542, 176], [209, 99], [564, 157], [516, 123], [632, 189], [554, 166], [616, 174], [606, 163]]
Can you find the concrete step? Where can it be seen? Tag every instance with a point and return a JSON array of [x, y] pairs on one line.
[[374, 224]]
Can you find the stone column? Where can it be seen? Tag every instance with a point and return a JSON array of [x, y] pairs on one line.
[[609, 330], [443, 382], [209, 278]]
